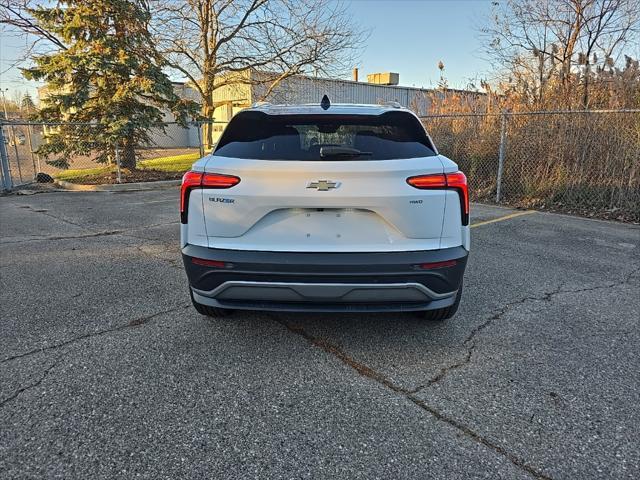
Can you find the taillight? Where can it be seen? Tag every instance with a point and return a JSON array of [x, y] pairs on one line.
[[457, 181], [192, 180], [428, 181], [216, 180]]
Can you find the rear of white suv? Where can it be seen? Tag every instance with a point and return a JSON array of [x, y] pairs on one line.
[[346, 208]]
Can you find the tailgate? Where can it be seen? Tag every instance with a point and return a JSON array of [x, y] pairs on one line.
[[324, 206]]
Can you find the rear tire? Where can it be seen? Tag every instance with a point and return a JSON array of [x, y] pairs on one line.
[[442, 314], [208, 310]]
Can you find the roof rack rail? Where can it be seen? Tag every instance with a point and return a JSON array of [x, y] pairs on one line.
[[260, 104]]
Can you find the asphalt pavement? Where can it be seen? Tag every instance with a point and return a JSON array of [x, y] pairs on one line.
[[108, 372]]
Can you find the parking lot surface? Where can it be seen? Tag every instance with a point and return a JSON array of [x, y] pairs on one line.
[[108, 372]]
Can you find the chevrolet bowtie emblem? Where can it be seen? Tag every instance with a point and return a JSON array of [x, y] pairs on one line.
[[323, 185]]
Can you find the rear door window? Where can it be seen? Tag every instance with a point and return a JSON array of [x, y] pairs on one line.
[[391, 135]]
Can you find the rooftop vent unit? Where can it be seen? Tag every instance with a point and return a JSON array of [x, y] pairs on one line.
[[387, 78]]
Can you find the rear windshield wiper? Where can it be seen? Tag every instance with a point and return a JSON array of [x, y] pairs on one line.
[[342, 152]]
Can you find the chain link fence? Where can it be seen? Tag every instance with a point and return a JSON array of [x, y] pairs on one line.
[[577, 162], [168, 153]]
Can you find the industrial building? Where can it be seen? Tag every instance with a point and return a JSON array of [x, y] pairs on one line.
[[253, 86], [379, 88]]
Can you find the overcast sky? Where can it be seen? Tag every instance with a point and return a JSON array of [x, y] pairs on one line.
[[409, 37]]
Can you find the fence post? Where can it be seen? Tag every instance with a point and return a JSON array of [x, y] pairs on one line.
[[200, 146], [33, 158], [15, 147], [503, 141], [118, 177], [4, 162]]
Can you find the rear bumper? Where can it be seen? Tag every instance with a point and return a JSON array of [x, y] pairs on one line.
[[389, 281]]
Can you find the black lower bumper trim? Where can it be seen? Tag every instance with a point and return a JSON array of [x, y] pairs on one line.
[[373, 269]]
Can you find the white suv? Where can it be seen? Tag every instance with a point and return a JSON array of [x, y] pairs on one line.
[[337, 208]]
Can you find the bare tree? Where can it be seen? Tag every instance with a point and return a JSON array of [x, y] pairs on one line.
[[538, 41], [217, 44], [607, 25], [16, 20], [16, 13]]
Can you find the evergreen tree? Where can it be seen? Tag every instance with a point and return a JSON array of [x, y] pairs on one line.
[[109, 75], [27, 104]]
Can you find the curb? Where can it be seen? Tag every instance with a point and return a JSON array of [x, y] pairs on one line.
[[118, 187]]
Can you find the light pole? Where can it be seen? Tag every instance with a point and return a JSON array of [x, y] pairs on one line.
[[13, 131]]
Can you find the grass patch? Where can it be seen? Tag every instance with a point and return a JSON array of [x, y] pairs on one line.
[[172, 164], [72, 175], [176, 163]]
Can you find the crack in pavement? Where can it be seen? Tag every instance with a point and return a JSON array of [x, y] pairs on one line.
[[60, 219], [153, 225], [470, 340], [136, 322], [121, 232], [367, 372], [35, 384], [362, 369], [105, 233], [177, 263], [84, 227], [132, 323], [479, 438], [37, 238]]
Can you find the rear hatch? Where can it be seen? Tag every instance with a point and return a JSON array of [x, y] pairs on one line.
[[324, 182]]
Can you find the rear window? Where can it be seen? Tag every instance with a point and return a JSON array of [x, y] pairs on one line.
[[391, 135]]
